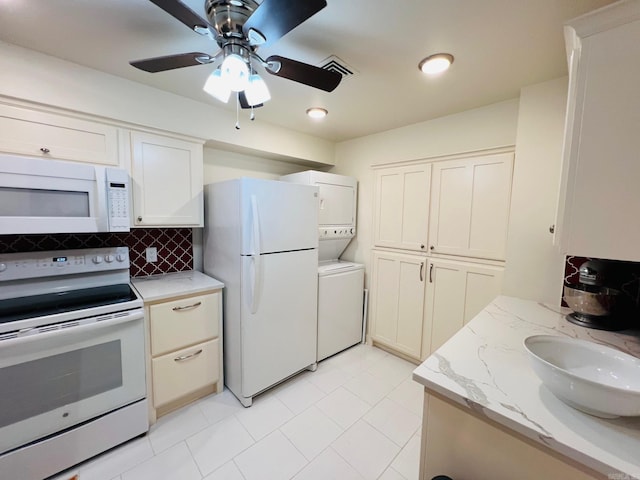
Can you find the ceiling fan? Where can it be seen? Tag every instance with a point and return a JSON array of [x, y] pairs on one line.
[[240, 27]]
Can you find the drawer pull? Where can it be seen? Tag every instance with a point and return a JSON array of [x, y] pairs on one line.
[[187, 357], [187, 307]]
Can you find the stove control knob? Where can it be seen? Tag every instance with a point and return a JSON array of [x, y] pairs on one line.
[[120, 257], [109, 258], [3, 267], [97, 259]]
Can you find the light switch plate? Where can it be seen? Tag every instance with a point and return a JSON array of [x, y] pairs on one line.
[[151, 254]]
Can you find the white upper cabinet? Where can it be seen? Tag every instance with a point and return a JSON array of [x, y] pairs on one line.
[[167, 182], [470, 202], [36, 133], [402, 206], [600, 193]]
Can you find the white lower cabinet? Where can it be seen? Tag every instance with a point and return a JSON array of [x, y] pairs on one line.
[[185, 338], [398, 301], [418, 303], [456, 292]]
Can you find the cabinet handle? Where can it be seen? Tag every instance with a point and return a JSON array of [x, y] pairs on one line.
[[186, 307], [187, 357], [139, 218], [422, 246], [45, 150], [552, 229], [431, 273], [421, 268]]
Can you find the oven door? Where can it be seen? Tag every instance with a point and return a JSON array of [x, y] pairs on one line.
[[53, 380]]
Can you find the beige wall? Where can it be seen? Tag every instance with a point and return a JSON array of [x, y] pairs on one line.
[[35, 77], [487, 127], [220, 165], [534, 266]]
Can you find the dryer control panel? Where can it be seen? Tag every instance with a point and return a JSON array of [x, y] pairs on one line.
[[326, 233]]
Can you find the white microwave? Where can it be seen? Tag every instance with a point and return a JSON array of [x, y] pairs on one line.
[[52, 196]]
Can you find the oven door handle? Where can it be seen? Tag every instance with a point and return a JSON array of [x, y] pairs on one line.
[[98, 325]]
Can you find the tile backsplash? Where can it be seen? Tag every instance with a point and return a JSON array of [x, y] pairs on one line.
[[175, 246]]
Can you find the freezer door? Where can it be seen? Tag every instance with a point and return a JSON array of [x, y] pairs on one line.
[[279, 317], [278, 216]]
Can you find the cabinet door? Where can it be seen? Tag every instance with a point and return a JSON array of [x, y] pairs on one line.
[[48, 135], [397, 301], [167, 181], [602, 157], [456, 292], [402, 207], [470, 206]]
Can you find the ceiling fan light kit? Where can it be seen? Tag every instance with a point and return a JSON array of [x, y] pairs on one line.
[[435, 64], [217, 87], [256, 91], [235, 72], [240, 27]]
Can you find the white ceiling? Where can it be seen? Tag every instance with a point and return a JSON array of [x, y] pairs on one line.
[[499, 47]]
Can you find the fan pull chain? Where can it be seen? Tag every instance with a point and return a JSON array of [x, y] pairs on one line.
[[238, 111], [252, 117]]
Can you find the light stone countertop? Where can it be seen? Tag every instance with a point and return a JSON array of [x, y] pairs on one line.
[[161, 287], [484, 367]]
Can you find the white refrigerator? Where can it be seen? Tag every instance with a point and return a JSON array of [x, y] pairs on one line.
[[261, 240]]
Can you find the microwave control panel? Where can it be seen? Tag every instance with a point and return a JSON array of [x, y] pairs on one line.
[[118, 199]]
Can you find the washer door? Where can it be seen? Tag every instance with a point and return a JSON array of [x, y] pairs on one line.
[[340, 306]]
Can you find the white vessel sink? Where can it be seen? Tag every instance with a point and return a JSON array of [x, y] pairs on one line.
[[593, 378]]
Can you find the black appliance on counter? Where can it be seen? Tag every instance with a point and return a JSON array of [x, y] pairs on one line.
[[597, 300]]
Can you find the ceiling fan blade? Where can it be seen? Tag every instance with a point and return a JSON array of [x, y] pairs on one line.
[[182, 12], [303, 73], [244, 103], [275, 18], [171, 62]]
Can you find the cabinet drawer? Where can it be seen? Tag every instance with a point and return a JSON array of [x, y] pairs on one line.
[[185, 322], [47, 135], [184, 371]]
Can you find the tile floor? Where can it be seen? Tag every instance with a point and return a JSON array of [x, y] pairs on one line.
[[357, 417]]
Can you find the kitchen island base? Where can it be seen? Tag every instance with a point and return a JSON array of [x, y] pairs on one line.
[[461, 444]]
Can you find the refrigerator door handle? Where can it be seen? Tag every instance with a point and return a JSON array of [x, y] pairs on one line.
[[256, 264], [256, 259], [256, 226]]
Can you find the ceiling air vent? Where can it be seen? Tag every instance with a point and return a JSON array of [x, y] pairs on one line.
[[334, 64]]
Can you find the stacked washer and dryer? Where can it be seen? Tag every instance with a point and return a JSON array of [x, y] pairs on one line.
[[340, 283]]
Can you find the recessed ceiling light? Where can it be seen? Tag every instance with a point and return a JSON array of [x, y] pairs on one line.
[[317, 112], [435, 64]]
